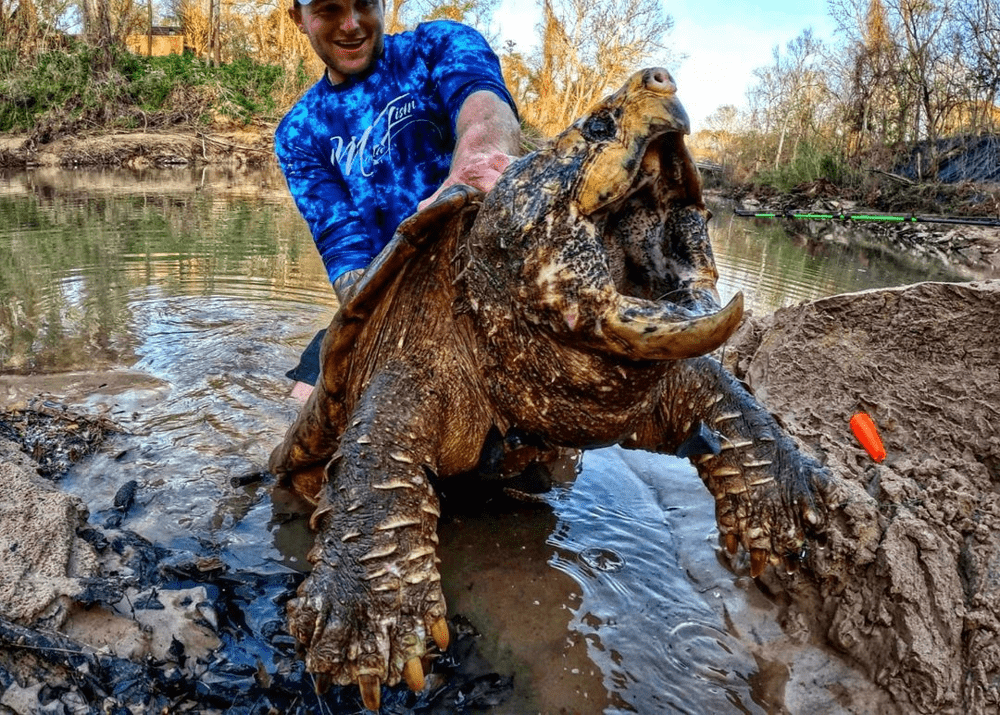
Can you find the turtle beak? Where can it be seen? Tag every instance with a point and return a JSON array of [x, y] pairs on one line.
[[665, 304], [631, 270], [644, 330]]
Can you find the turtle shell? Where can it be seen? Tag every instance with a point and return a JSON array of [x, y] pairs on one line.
[[394, 285]]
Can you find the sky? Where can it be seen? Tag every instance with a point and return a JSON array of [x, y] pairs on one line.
[[724, 40]]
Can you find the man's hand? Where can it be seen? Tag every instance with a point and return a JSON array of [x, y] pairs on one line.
[[489, 139]]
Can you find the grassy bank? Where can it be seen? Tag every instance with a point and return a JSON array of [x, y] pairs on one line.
[[76, 87]]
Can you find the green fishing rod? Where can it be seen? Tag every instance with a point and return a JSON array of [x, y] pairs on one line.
[[877, 217]]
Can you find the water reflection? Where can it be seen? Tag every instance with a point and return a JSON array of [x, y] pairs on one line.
[[653, 633], [775, 269], [195, 290], [75, 257]]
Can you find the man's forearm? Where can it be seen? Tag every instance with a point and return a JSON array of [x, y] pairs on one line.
[[488, 137], [485, 124]]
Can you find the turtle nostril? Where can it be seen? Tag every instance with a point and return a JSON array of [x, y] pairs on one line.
[[660, 80]]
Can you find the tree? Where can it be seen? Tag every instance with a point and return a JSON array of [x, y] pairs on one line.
[[96, 16], [923, 23], [875, 78], [403, 14], [19, 26], [588, 48], [980, 33], [720, 139], [906, 77], [788, 97]]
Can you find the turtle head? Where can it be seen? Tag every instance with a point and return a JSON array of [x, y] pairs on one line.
[[603, 234]]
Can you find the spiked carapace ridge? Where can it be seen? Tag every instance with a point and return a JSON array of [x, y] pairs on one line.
[[571, 306]]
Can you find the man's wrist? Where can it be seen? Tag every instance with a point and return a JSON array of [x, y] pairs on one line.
[[344, 285]]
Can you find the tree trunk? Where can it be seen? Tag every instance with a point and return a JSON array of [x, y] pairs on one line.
[[19, 26], [211, 30], [97, 31]]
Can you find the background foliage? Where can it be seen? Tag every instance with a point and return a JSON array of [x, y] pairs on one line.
[[908, 86], [902, 78]]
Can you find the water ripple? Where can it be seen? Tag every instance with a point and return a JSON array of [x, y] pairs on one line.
[[662, 646]]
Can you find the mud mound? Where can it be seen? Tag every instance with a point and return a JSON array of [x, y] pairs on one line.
[[42, 561], [908, 583]]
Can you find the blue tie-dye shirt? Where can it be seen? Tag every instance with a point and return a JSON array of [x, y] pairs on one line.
[[359, 156]]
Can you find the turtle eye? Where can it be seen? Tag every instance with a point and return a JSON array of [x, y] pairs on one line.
[[599, 127]]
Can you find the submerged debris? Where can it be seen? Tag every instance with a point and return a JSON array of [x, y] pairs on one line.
[[124, 498], [53, 436]]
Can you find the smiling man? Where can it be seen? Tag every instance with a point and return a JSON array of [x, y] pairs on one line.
[[394, 120]]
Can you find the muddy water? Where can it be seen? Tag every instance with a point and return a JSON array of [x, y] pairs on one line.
[[175, 301]]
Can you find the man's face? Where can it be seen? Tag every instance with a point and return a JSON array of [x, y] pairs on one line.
[[346, 34]]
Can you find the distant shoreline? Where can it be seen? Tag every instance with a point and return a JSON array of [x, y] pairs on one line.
[[249, 146]]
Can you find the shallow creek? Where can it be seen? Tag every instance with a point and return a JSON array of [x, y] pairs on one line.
[[176, 300]]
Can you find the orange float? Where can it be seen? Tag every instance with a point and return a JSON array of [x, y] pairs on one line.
[[864, 429]]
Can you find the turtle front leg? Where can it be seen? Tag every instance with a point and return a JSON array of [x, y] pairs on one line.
[[373, 599], [769, 495]]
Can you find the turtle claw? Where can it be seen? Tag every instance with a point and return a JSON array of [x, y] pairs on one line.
[[371, 691], [768, 498], [791, 563], [322, 683], [413, 673], [439, 631]]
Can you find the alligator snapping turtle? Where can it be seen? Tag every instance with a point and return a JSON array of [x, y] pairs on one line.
[[572, 304]]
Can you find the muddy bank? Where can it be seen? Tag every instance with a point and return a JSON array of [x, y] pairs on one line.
[[139, 149], [908, 582]]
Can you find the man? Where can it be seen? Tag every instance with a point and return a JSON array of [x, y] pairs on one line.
[[394, 121]]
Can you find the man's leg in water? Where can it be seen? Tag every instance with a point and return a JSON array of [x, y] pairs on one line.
[[306, 372]]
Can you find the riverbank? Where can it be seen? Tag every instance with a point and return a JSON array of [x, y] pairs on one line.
[[235, 146], [976, 248]]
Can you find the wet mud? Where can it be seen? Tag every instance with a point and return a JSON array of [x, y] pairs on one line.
[[907, 583]]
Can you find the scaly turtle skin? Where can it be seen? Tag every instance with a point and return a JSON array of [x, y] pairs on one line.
[[572, 303]]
